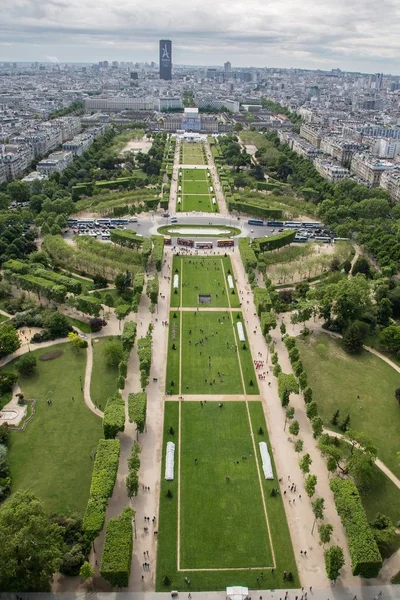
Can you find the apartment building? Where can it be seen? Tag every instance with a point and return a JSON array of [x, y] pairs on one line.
[[369, 169], [168, 102], [390, 181], [330, 170], [79, 144], [311, 134], [16, 159], [119, 103], [304, 149], [3, 176], [340, 149], [386, 148], [55, 163]]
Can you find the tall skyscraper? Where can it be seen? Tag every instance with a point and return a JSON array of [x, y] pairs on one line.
[[166, 59], [227, 67]]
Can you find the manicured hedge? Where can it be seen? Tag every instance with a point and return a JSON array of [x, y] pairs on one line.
[[117, 552], [247, 254], [126, 238], [16, 266], [71, 285], [42, 287], [103, 480], [105, 468], [137, 404], [138, 283], [114, 416], [95, 515], [275, 241], [144, 354], [157, 254], [152, 289], [366, 560], [262, 300], [128, 335]]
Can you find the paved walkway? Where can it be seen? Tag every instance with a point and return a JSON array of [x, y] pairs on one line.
[[299, 514], [222, 206]]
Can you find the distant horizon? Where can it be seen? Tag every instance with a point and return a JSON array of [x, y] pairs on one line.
[[195, 66]]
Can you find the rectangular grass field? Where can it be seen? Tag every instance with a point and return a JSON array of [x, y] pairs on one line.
[[195, 191], [225, 535], [200, 275], [192, 153], [210, 358]]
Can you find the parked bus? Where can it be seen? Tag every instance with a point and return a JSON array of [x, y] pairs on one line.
[[311, 224], [225, 243], [293, 224], [72, 222], [185, 242], [119, 221], [255, 222], [323, 238], [167, 240], [204, 245], [275, 223]]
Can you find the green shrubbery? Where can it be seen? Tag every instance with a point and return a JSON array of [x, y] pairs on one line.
[[274, 241], [137, 404], [262, 300], [128, 336], [144, 354], [114, 416], [247, 254], [366, 560], [157, 254], [117, 552], [103, 480]]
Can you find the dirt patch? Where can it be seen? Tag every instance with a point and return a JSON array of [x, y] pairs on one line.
[[51, 355]]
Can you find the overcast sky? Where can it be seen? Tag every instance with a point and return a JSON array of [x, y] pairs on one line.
[[358, 35]]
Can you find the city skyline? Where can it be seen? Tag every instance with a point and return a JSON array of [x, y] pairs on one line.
[[354, 37]]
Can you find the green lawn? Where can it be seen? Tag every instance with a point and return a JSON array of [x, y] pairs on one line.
[[197, 202], [52, 456], [246, 359], [82, 325], [195, 186], [362, 386], [174, 230], [173, 355], [192, 153], [216, 349], [103, 383], [3, 318], [206, 276], [222, 524]]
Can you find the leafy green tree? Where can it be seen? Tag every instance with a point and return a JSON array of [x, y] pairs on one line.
[[389, 338], [294, 428], [298, 446], [310, 484], [353, 339], [113, 352], [361, 266], [384, 531], [335, 418], [86, 571], [305, 463], [9, 340], [33, 551], [289, 414], [109, 300], [57, 324], [311, 409], [384, 312], [334, 561], [317, 426], [318, 509], [325, 531], [307, 395], [26, 365], [18, 191], [123, 281], [303, 380]]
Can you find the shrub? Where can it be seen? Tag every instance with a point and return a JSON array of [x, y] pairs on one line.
[[137, 404], [105, 468], [128, 335], [96, 324], [114, 416], [117, 552], [26, 365], [366, 560]]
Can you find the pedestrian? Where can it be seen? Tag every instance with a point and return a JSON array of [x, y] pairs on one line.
[[301, 552]]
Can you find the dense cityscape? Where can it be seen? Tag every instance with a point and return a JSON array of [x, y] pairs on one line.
[[199, 331]]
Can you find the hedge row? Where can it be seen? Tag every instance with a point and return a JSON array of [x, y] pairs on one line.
[[157, 254], [117, 552], [72, 285], [152, 289], [132, 480], [126, 238], [128, 335], [262, 300], [16, 266], [42, 287], [247, 254], [144, 354], [103, 480], [274, 241], [114, 416], [137, 404], [366, 560], [250, 208], [267, 322]]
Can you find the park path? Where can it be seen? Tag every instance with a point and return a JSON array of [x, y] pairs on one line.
[[299, 513], [222, 206], [381, 465], [88, 379]]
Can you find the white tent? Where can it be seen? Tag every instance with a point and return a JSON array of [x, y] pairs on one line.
[[237, 592]]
